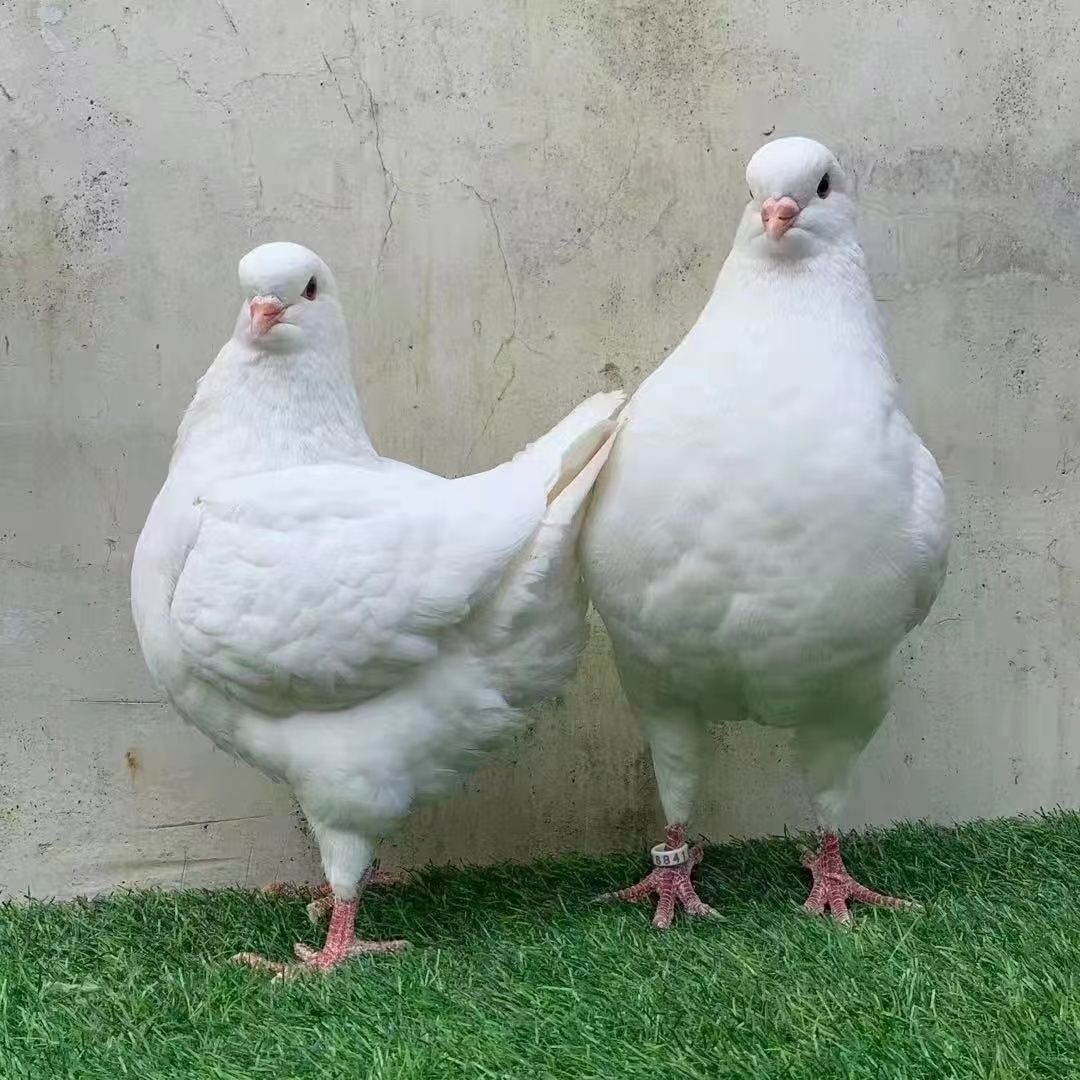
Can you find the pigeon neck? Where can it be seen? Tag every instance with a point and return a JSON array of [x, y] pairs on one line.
[[256, 411], [836, 275], [824, 304]]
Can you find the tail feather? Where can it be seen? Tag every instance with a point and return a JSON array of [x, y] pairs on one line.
[[566, 504], [534, 627], [570, 445]]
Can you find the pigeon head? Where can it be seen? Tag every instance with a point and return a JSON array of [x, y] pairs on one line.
[[288, 292], [800, 201]]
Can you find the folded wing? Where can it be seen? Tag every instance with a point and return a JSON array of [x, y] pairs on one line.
[[322, 586]]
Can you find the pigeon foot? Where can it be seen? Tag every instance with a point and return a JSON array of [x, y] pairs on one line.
[[833, 886], [671, 883], [341, 944]]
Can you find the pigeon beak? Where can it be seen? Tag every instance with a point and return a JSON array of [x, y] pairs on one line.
[[266, 311], [778, 215]]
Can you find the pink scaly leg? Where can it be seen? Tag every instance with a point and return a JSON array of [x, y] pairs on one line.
[[833, 886], [341, 944], [321, 897], [671, 884]]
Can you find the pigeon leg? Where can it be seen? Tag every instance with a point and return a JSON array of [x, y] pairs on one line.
[[670, 883], [345, 855], [341, 944], [827, 748], [321, 899], [676, 741], [833, 886]]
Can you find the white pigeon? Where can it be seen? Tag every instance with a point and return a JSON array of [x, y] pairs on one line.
[[351, 625], [768, 526]]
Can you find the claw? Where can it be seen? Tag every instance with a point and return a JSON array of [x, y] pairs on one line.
[[375, 878], [833, 886], [318, 909], [341, 944]]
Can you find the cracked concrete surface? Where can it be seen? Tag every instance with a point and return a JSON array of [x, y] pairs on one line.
[[523, 204]]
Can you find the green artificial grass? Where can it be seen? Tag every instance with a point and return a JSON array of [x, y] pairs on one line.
[[515, 974]]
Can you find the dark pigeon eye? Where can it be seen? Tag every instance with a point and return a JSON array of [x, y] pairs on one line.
[[312, 288], [823, 186]]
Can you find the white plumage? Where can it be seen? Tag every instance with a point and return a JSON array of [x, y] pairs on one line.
[[351, 625], [769, 526]]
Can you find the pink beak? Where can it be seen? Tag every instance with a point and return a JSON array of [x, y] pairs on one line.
[[778, 215], [266, 311]]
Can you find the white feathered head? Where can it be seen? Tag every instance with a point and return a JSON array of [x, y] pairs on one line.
[[801, 201], [289, 293]]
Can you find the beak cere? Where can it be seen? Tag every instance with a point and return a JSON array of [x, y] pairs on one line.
[[265, 313], [778, 215]]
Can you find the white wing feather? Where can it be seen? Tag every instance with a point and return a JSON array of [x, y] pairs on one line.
[[321, 586], [930, 533]]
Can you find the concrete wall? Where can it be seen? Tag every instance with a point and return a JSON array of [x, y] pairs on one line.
[[524, 203]]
